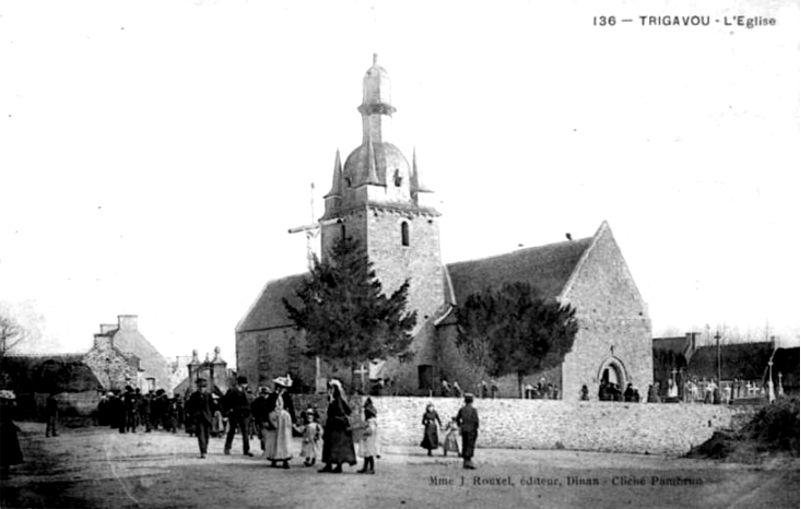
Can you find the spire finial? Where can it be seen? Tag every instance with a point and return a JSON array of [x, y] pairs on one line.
[[375, 58]]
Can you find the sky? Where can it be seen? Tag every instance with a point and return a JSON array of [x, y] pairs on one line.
[[153, 154]]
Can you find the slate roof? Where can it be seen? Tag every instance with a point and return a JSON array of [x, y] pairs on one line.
[[676, 345], [44, 373], [746, 361], [133, 344], [546, 268], [268, 312]]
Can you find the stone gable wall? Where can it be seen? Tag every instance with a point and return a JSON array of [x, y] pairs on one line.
[[112, 369], [537, 424], [613, 323]]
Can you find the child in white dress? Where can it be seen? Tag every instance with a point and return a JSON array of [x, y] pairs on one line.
[[368, 446], [451, 441], [311, 432]]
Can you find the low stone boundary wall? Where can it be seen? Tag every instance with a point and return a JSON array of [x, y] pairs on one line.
[[550, 424]]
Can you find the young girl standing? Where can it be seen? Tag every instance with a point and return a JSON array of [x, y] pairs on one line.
[[368, 447], [432, 423], [451, 441], [311, 431]]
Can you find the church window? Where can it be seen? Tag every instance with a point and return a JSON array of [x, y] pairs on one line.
[[347, 181], [398, 178], [404, 233]]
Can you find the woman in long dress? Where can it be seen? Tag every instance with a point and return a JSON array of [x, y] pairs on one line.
[[432, 423], [278, 436], [338, 434], [10, 452]]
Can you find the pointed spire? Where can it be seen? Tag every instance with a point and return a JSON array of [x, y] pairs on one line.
[[336, 184], [417, 182], [372, 175]]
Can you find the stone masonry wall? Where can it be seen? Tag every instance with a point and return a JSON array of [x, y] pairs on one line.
[[613, 323], [111, 368], [419, 262], [541, 424]]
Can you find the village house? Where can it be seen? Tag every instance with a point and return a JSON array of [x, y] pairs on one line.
[[120, 355], [380, 199]]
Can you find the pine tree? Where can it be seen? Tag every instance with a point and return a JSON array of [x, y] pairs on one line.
[[347, 318], [515, 331]]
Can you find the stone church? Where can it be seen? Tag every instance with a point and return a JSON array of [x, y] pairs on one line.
[[379, 198]]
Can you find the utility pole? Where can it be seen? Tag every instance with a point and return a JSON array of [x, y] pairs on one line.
[[717, 342], [771, 392]]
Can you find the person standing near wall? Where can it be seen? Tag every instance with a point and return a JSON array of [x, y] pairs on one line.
[[467, 419], [431, 423], [457, 389], [51, 413]]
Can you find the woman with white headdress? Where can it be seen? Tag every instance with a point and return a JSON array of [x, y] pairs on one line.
[[10, 452], [337, 434], [278, 436]]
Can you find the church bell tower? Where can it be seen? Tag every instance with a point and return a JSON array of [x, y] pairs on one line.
[[378, 198]]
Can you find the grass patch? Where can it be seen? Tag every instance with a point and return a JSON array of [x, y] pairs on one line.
[[770, 433]]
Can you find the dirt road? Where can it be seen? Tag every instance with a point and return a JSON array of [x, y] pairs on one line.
[[96, 467]]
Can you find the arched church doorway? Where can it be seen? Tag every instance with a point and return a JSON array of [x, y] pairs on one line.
[[613, 371], [611, 374], [612, 379]]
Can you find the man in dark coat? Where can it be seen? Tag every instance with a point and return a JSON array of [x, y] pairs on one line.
[[51, 411], [116, 411], [180, 416], [237, 407], [145, 405], [260, 414], [198, 412], [129, 402], [467, 419]]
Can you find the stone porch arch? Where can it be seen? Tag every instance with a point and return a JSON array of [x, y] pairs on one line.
[[614, 370]]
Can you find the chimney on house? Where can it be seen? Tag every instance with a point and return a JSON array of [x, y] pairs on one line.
[[128, 322], [105, 328], [103, 341]]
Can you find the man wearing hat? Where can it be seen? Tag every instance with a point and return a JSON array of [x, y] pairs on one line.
[[260, 414], [467, 419], [237, 408], [198, 412]]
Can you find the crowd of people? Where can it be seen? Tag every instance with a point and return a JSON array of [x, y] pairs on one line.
[[269, 417], [610, 391], [129, 410]]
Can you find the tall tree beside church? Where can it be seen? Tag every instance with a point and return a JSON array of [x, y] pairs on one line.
[[347, 317], [515, 331]]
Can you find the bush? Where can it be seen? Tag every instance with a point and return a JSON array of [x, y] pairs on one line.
[[775, 426]]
